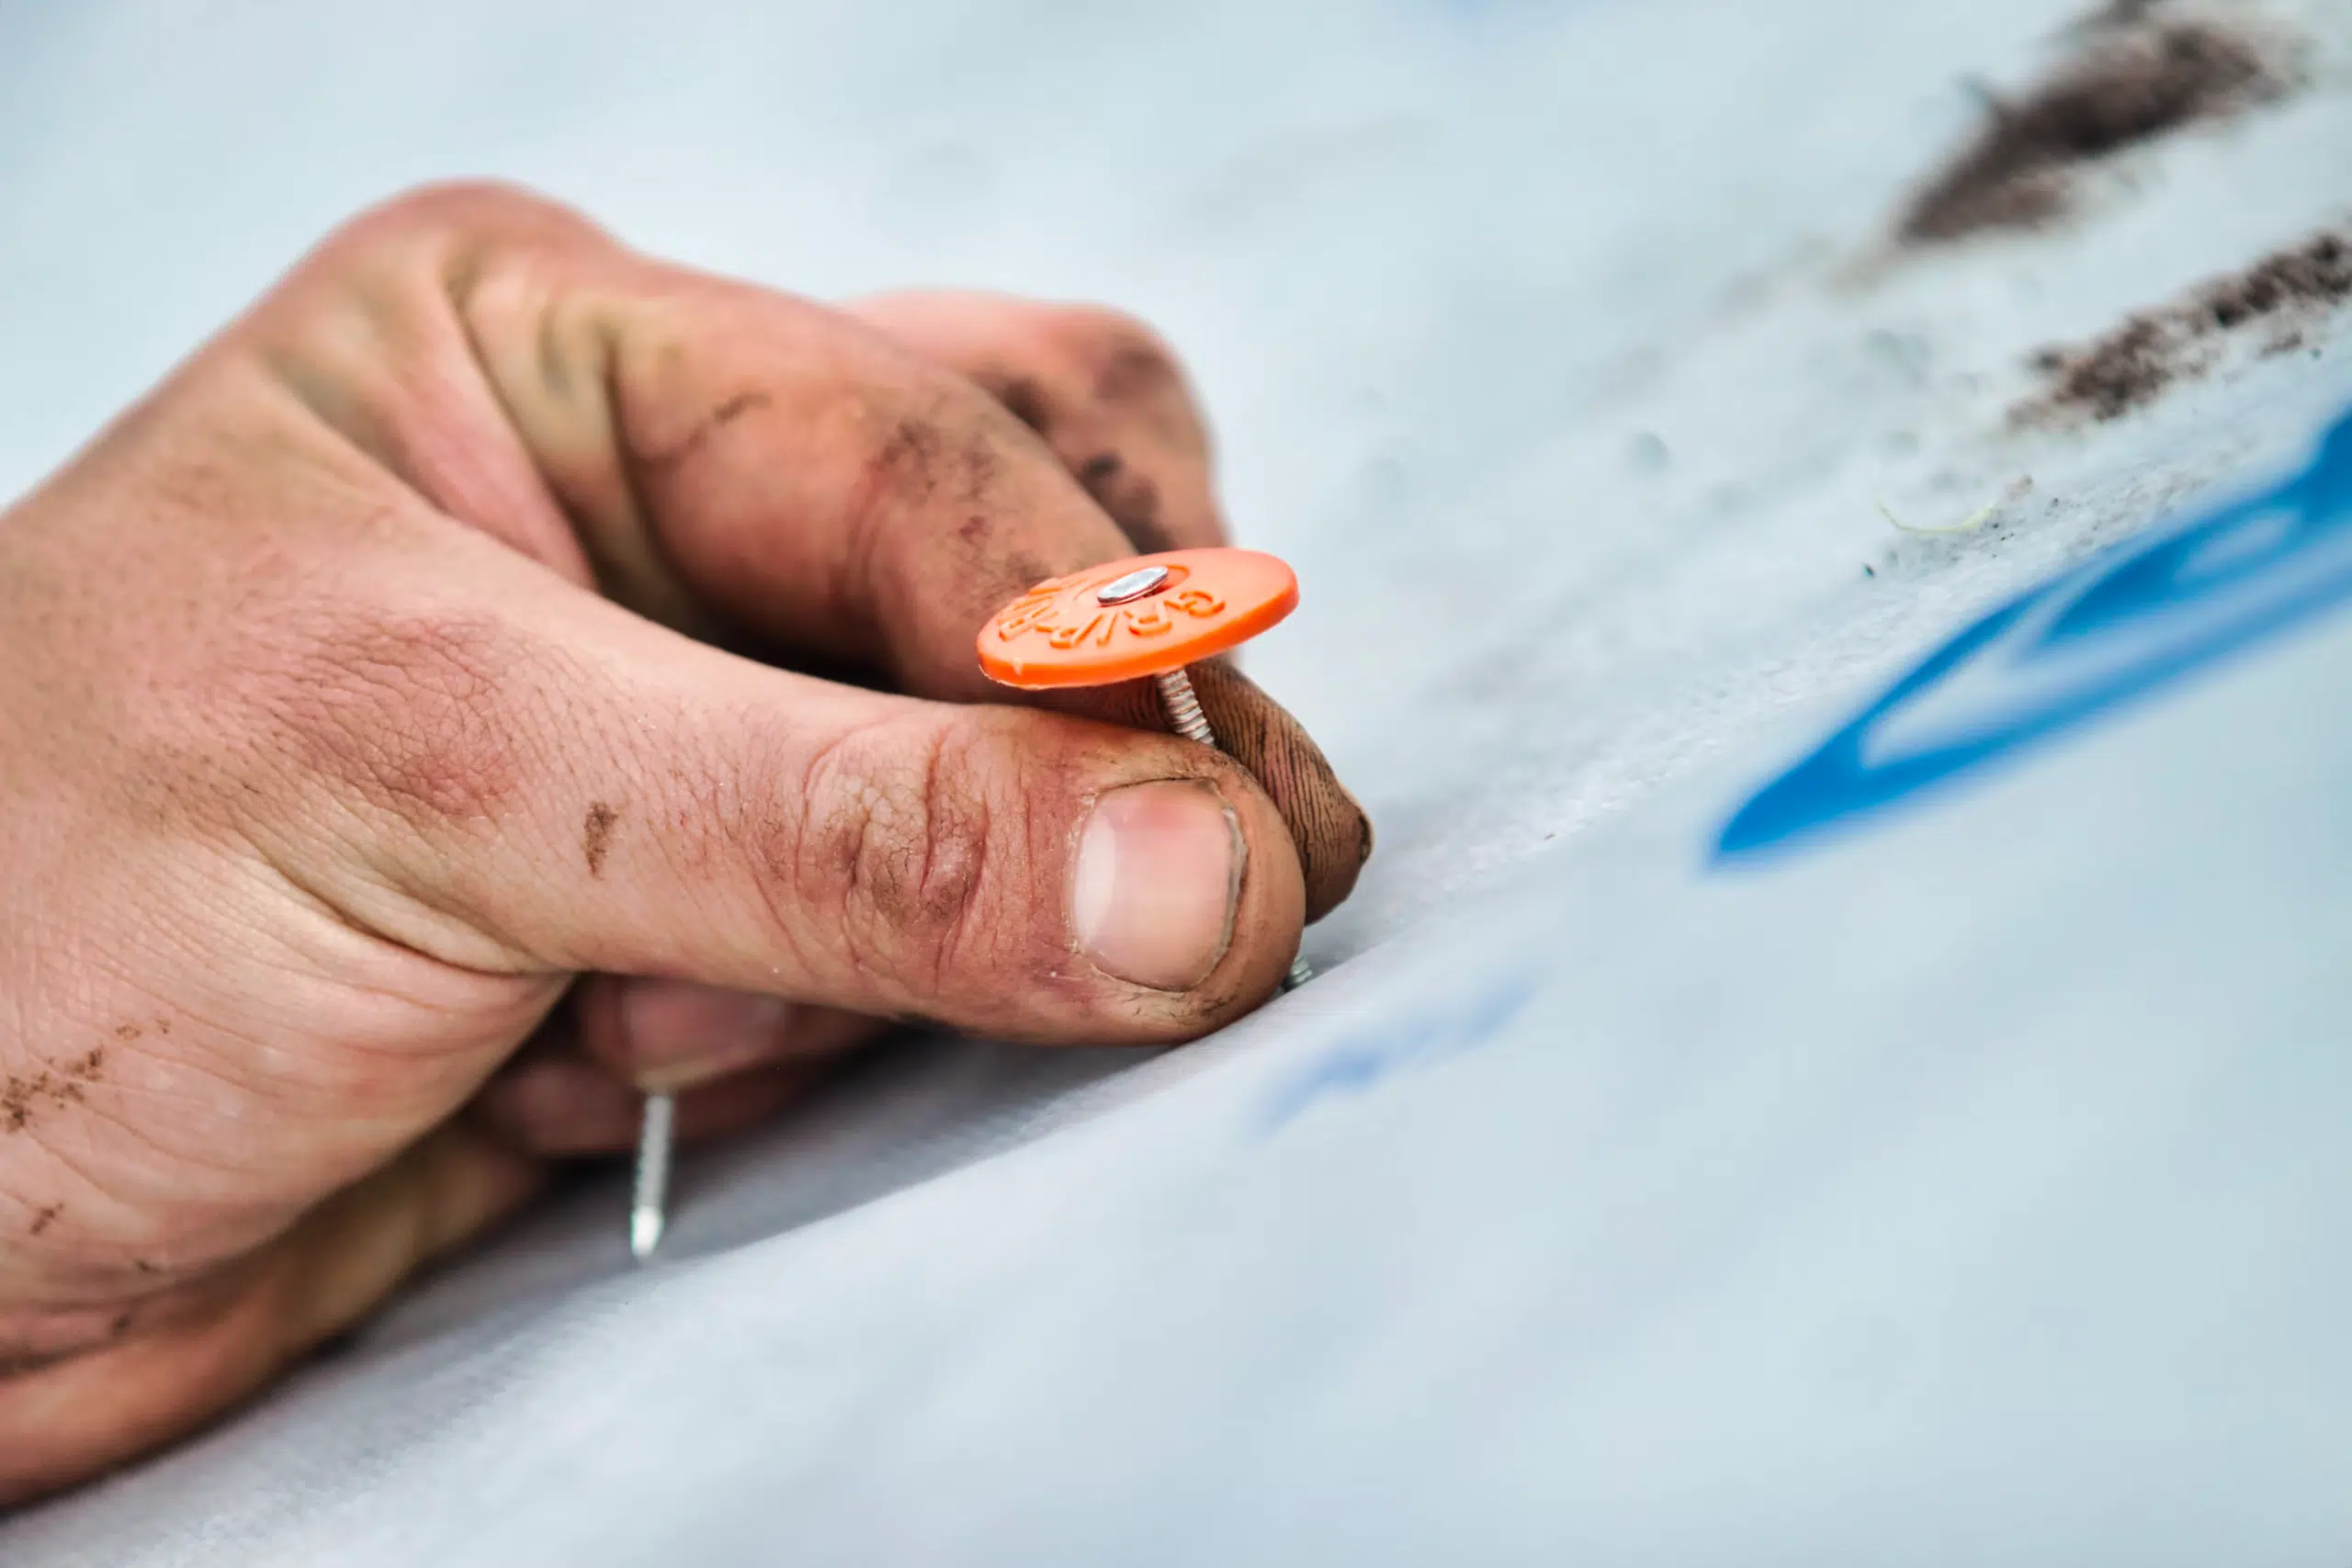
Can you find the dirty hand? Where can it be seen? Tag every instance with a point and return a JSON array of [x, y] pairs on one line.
[[476, 616]]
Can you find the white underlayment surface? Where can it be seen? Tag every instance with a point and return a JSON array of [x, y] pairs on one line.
[[1969, 1193]]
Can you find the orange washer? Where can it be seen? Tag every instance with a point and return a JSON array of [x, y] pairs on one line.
[[1146, 615]]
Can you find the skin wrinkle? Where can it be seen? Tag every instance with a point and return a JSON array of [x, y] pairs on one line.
[[423, 419], [494, 488], [687, 446], [554, 362], [778, 836], [207, 1292], [633, 479], [182, 1042], [928, 841], [321, 394], [333, 914], [625, 555], [396, 383], [355, 975], [957, 899], [1020, 396], [129, 1127], [72, 1170], [178, 1062], [878, 852], [777, 891]]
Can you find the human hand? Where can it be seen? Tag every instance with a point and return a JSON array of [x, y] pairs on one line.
[[475, 615]]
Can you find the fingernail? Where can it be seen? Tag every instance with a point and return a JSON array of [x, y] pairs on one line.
[[1158, 875], [681, 1034]]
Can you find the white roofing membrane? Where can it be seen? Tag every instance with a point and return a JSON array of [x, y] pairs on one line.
[[1828, 1065]]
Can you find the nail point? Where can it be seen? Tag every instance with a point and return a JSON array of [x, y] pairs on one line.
[[645, 1226]]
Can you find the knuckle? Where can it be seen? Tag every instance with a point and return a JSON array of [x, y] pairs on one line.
[[453, 207], [900, 848], [364, 326], [385, 277], [1125, 356], [1131, 379]]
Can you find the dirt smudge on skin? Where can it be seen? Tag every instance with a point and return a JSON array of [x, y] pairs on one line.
[[596, 836], [909, 461], [1130, 498], [728, 412], [923, 458], [2132, 79], [2132, 365], [735, 407], [1132, 370], [24, 1096], [981, 466]]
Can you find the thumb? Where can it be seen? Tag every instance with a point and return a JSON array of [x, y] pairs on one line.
[[672, 810]]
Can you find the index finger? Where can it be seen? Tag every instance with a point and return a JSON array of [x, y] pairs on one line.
[[1101, 389]]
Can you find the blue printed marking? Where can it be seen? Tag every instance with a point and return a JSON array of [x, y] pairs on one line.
[[1360, 1061], [2108, 632]]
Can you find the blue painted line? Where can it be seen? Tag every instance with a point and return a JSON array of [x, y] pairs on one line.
[[1417, 1040], [2114, 630]]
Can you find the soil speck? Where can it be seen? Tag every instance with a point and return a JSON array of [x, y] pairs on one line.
[[2132, 365], [2130, 81], [596, 836], [23, 1094]]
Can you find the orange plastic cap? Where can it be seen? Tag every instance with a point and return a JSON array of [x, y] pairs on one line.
[[1134, 617]]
